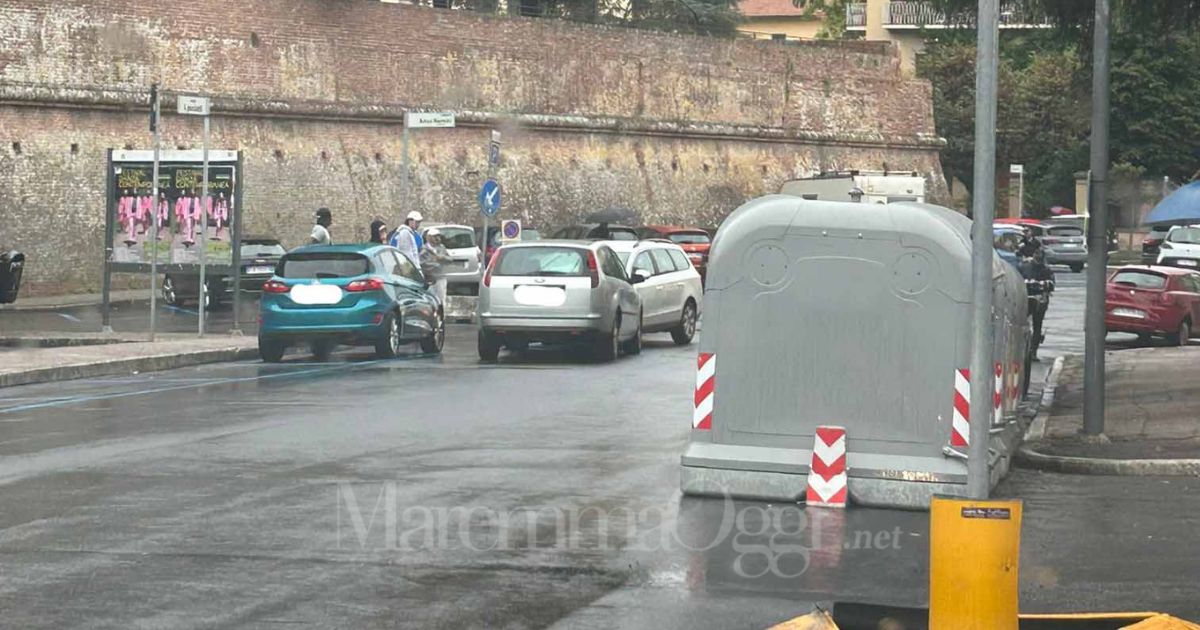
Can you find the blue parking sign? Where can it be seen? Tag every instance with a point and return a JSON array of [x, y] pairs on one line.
[[489, 198]]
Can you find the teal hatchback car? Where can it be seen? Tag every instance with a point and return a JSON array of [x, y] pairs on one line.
[[368, 294]]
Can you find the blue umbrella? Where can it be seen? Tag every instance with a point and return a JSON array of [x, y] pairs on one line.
[[1181, 206]]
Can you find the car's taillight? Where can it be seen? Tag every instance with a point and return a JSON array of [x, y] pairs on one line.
[[593, 268], [275, 286], [487, 275], [1167, 246], [370, 284]]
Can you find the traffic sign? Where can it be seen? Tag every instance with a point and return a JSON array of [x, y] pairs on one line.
[[192, 105], [418, 120], [489, 198], [510, 230], [1016, 169], [494, 154]]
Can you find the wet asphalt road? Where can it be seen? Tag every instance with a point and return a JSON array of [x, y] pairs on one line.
[[436, 492]]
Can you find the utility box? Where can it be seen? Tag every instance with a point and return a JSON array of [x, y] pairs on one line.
[[847, 314]]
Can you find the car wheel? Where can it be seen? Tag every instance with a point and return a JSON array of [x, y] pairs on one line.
[[432, 344], [1076, 267], [489, 346], [321, 349], [608, 346], [388, 345], [634, 345], [169, 295], [271, 350], [686, 330], [1182, 334]]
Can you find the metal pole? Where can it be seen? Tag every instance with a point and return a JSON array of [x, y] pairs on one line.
[[984, 207], [106, 286], [404, 170], [1021, 194], [154, 220], [235, 204], [1094, 331], [204, 297]]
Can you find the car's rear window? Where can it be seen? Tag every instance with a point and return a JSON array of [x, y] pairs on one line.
[[541, 261], [1065, 230], [1188, 235], [254, 249], [689, 238], [1140, 279], [457, 238], [323, 265], [622, 235]]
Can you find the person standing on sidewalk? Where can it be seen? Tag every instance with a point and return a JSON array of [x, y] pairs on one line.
[[320, 232], [378, 231], [405, 237]]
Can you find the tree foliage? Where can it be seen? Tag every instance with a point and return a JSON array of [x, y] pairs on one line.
[[706, 17]]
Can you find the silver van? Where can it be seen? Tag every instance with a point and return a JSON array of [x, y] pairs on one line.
[[558, 291]]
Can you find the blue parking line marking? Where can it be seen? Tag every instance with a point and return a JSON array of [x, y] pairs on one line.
[[181, 310]]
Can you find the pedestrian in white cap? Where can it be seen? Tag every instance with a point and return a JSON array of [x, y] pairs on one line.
[[406, 239]]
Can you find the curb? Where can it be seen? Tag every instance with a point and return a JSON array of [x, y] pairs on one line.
[[125, 366], [1030, 458]]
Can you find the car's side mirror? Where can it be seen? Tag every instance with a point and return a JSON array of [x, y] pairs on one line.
[[639, 276]]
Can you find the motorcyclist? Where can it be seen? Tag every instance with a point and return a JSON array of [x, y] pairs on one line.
[[1039, 282]]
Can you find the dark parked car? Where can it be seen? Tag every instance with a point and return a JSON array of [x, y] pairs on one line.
[[1153, 241], [260, 254], [11, 265], [597, 232]]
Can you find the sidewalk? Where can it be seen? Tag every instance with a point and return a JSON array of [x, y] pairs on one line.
[[1152, 419], [74, 299], [40, 359]]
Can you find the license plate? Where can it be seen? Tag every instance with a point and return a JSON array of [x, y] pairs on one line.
[[1070, 245], [310, 294], [1129, 312], [258, 271], [536, 295], [1186, 263]]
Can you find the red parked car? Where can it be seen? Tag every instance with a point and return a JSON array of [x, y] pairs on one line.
[[1147, 300], [694, 241]]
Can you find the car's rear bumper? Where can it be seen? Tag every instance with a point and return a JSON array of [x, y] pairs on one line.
[[1153, 323], [1183, 262], [363, 320], [1066, 257], [542, 327]]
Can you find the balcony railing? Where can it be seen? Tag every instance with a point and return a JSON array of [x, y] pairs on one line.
[[856, 15], [912, 14]]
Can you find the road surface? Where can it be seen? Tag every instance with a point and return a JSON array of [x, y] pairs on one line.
[[438, 492]]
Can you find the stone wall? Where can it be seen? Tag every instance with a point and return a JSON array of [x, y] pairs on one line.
[[681, 129]]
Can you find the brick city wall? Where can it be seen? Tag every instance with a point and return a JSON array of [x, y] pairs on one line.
[[681, 129]]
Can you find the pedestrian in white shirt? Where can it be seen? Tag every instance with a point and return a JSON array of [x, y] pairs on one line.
[[320, 231], [405, 237]]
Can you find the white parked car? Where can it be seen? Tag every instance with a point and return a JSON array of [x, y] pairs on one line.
[[670, 287], [463, 273], [1181, 248], [558, 291]]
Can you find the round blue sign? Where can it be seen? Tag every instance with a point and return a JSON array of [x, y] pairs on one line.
[[489, 198], [512, 229]]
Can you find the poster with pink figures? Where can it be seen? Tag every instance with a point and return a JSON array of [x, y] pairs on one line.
[[184, 216]]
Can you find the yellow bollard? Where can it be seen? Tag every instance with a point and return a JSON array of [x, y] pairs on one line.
[[973, 551]]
